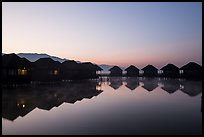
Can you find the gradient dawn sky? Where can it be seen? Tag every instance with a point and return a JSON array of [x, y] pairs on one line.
[[106, 33]]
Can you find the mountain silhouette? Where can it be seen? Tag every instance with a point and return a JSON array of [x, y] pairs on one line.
[[35, 56]]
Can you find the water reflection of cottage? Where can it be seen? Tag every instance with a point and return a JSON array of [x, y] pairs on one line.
[[115, 82], [132, 83], [16, 102], [15, 69], [170, 70], [149, 83], [22, 100], [115, 71], [192, 88], [170, 85], [45, 69], [132, 71], [150, 71], [191, 70], [79, 91]]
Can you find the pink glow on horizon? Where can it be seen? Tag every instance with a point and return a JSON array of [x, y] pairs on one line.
[[107, 33]]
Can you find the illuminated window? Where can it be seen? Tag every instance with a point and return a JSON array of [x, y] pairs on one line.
[[181, 71], [22, 72], [56, 72], [160, 71], [141, 72]]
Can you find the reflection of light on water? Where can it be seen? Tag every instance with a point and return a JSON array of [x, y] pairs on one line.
[[141, 83], [55, 95], [160, 84], [105, 83], [180, 79], [99, 87], [126, 102], [181, 86], [19, 105]]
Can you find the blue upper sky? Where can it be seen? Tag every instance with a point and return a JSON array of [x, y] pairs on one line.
[[106, 33]]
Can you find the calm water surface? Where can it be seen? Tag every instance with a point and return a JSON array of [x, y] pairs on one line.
[[109, 106]]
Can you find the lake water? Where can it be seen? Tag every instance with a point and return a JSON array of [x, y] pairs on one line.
[[106, 106]]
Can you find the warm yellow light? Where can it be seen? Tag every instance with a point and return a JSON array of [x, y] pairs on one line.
[[22, 72], [56, 72], [23, 105]]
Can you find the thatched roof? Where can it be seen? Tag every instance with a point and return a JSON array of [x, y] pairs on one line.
[[191, 66], [132, 68], [90, 66], [170, 67], [26, 62], [149, 68], [115, 68], [12, 60], [70, 65], [46, 63]]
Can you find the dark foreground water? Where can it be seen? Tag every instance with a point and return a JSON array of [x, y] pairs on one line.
[[111, 106]]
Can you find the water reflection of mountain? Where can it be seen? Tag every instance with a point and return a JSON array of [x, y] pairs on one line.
[[192, 88], [115, 82], [149, 83], [170, 85], [22, 100], [132, 83]]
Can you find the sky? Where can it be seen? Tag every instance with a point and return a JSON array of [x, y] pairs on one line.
[[118, 33]]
